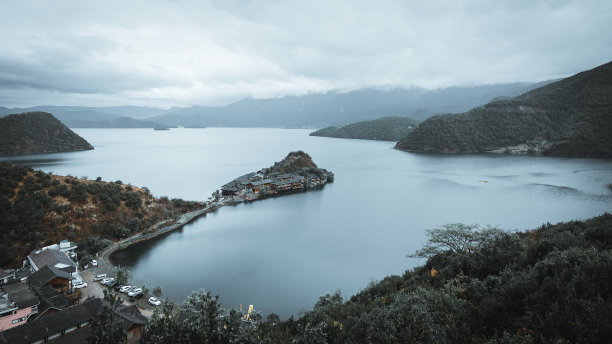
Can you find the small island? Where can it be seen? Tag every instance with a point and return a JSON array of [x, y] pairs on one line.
[[296, 172]]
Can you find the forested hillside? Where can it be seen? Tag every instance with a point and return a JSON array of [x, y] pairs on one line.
[[38, 209], [478, 285], [391, 128], [37, 132], [571, 117]]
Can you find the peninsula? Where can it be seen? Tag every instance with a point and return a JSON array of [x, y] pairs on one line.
[[390, 128], [296, 172]]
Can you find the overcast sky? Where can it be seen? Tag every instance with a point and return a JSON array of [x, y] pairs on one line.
[[181, 53]]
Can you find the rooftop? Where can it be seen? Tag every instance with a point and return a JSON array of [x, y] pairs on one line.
[[46, 275], [50, 299], [18, 295], [51, 257], [67, 319]]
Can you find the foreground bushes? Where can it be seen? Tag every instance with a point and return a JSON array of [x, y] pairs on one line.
[[479, 285]]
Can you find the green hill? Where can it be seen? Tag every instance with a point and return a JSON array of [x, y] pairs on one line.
[[38, 208], [571, 117], [391, 128], [37, 132]]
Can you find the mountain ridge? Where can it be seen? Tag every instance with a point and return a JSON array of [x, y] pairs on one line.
[[571, 117], [315, 110]]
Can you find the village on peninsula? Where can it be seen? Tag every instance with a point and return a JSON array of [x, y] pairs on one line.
[[297, 172], [48, 298]]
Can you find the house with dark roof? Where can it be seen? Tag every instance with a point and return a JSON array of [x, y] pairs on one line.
[[73, 325], [54, 258], [17, 304], [51, 301], [52, 277]]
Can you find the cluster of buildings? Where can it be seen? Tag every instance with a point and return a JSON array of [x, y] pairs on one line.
[[255, 181], [38, 303]]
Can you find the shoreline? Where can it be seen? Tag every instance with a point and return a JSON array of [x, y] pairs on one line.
[[156, 230]]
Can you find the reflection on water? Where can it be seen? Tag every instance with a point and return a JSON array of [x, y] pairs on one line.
[[38, 162], [280, 254]]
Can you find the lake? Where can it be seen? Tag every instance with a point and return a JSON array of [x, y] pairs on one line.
[[281, 254]]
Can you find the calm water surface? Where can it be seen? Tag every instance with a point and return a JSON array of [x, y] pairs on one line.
[[281, 254]]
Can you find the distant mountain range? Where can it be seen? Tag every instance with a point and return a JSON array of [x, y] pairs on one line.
[[37, 132], [571, 117], [307, 111], [390, 128]]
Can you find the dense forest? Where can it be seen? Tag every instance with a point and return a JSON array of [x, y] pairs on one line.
[[552, 284], [391, 128], [38, 209], [37, 132], [571, 117]]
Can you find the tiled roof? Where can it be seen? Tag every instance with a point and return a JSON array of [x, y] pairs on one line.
[[50, 298], [66, 319], [51, 257], [54, 323], [46, 275], [21, 294], [262, 182]]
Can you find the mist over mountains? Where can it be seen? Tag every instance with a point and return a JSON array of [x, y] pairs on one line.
[[306, 111]]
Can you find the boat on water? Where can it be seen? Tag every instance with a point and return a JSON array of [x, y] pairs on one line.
[[161, 128]]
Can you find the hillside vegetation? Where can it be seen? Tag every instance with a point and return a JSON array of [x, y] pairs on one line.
[[37, 132], [571, 117], [38, 209], [477, 286], [391, 128]]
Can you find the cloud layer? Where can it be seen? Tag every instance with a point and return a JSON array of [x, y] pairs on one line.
[[167, 53]]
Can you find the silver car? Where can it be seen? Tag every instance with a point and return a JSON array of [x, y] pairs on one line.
[[134, 292]]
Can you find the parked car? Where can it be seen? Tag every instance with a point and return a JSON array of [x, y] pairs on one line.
[[94, 262], [133, 292], [106, 280], [138, 295], [126, 288], [119, 286], [79, 285], [112, 283], [154, 301], [100, 277]]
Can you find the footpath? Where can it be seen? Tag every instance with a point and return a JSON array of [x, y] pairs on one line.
[[152, 232]]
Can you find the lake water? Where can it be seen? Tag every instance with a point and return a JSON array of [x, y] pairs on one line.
[[281, 254]]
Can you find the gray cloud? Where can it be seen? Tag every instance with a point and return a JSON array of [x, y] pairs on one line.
[[165, 53]]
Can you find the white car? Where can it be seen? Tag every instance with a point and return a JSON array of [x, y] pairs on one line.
[[154, 301], [79, 285], [133, 292], [100, 277], [126, 288], [94, 262], [107, 280]]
